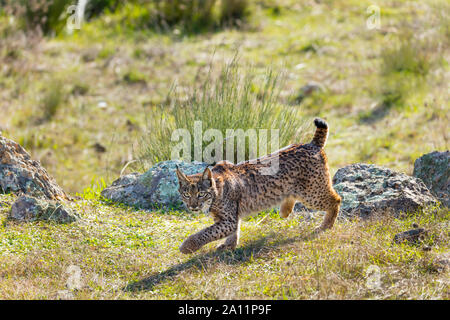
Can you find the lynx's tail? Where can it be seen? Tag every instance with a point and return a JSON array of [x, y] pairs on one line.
[[320, 137]]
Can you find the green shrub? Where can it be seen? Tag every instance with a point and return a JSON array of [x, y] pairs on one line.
[[96, 7], [50, 16], [200, 15], [233, 12], [185, 16], [230, 101], [191, 15], [43, 15], [53, 97]]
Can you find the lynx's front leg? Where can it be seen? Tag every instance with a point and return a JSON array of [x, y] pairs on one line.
[[218, 230], [232, 240]]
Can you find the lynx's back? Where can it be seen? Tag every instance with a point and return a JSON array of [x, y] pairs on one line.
[[302, 173]]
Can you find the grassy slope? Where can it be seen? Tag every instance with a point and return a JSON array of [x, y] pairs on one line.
[[123, 253], [133, 71], [116, 247]]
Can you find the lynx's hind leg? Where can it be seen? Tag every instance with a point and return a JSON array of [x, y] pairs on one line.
[[324, 198], [332, 209], [287, 206]]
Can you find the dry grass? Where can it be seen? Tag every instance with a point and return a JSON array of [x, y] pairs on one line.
[[126, 254], [112, 77]]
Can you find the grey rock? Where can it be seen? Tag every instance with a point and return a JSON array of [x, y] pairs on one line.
[[155, 189], [28, 208], [367, 188], [434, 169], [412, 236], [20, 174]]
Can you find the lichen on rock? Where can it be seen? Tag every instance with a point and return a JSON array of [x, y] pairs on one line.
[[155, 189], [28, 208], [367, 188], [434, 170], [19, 174]]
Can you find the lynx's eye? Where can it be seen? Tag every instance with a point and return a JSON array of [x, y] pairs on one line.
[[186, 195], [201, 194]]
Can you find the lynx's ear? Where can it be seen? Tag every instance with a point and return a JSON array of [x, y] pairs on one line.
[[182, 179], [207, 178]]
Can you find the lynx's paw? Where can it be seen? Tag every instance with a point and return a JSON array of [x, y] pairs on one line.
[[190, 245]]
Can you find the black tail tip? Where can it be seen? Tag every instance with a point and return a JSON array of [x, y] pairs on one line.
[[320, 123]]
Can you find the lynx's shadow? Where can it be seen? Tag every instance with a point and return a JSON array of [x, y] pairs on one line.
[[249, 250]]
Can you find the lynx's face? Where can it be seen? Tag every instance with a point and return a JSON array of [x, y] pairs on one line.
[[197, 191]]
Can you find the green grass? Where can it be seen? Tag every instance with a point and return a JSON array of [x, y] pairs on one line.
[[385, 98], [372, 80], [128, 254]]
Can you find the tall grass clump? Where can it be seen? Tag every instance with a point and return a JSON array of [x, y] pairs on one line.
[[231, 101], [52, 100]]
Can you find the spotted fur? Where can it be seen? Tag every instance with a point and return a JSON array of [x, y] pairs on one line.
[[230, 192]]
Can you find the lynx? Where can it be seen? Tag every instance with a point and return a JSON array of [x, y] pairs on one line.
[[229, 192]]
